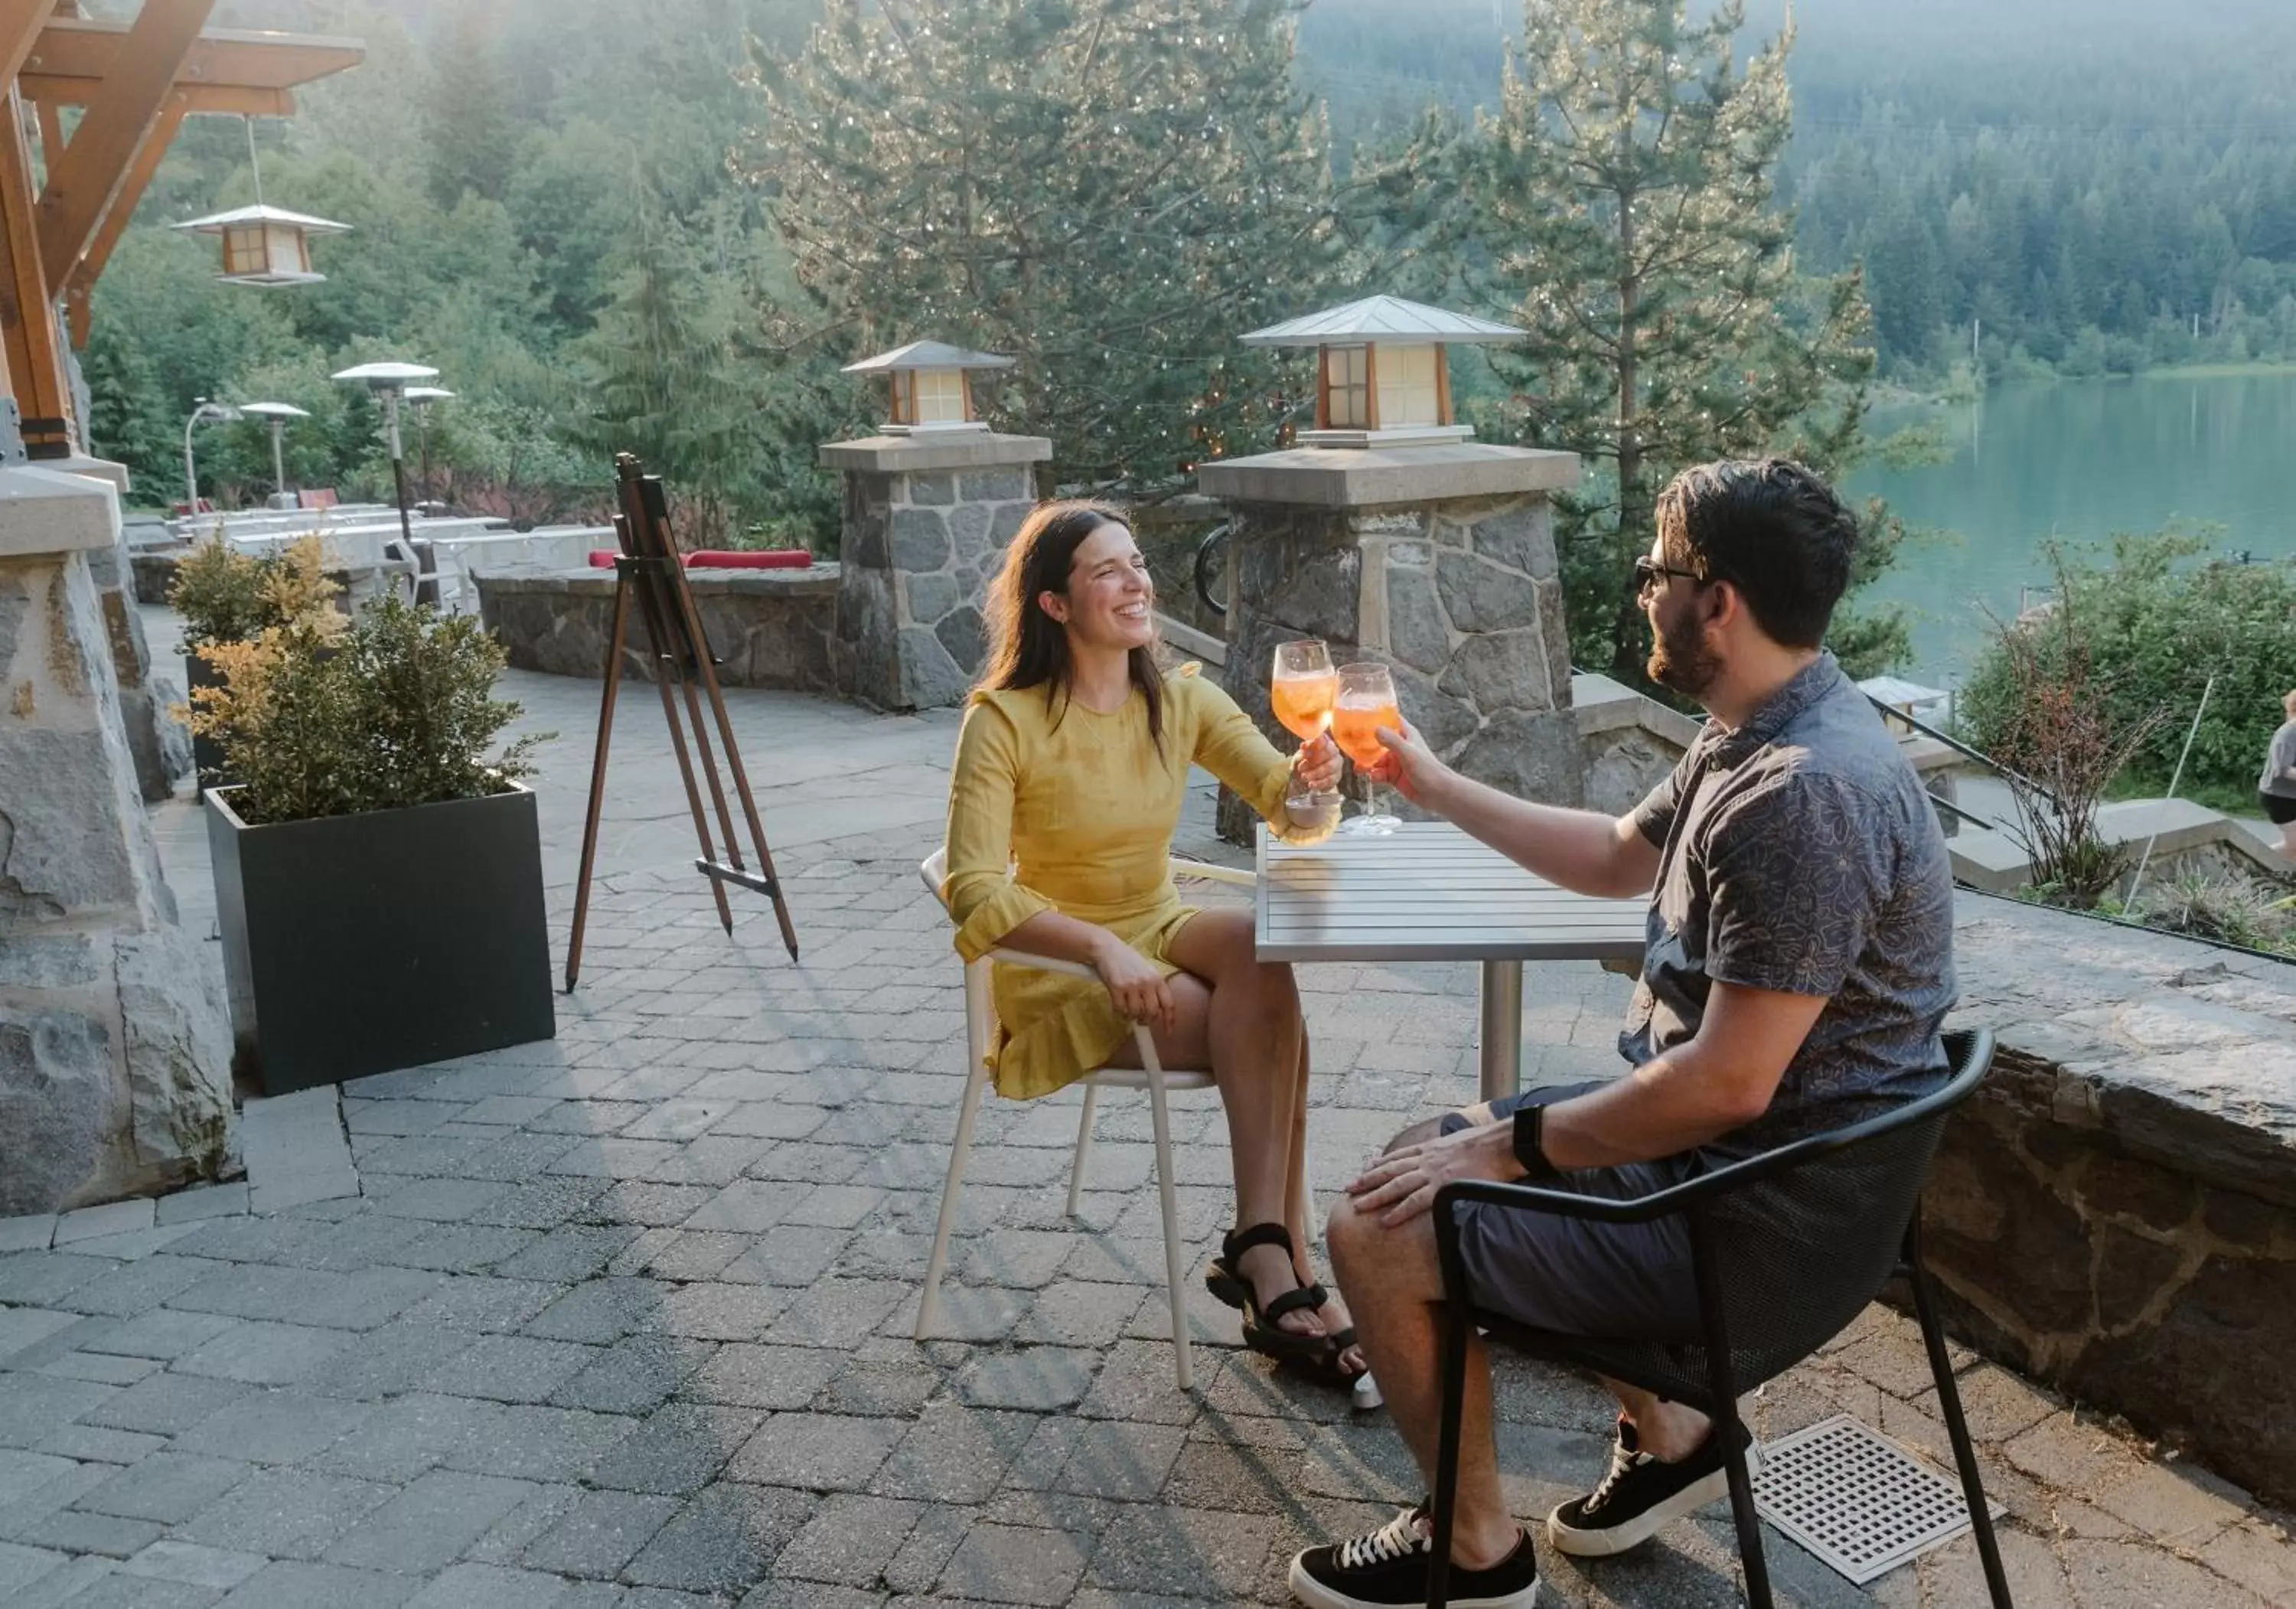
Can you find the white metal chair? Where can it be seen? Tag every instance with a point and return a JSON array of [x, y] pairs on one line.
[[1150, 1075]]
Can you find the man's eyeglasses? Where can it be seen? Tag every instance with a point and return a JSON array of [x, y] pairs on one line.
[[1649, 574]]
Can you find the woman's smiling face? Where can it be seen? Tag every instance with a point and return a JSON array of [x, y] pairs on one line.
[[1111, 598]]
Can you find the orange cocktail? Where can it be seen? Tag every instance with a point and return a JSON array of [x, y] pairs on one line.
[[1354, 727], [1303, 704]]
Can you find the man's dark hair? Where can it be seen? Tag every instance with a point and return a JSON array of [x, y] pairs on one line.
[[1771, 529]]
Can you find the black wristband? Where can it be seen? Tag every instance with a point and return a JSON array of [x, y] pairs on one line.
[[1529, 1150]]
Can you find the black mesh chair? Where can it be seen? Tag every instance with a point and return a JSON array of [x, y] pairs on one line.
[[1786, 1248]]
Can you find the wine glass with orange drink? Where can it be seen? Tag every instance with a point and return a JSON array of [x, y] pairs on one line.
[[1364, 702], [1301, 692]]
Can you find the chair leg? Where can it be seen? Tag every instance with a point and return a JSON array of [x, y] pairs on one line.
[[952, 1188], [1167, 1199], [1455, 1328], [1084, 1147], [1956, 1427], [1723, 1385]]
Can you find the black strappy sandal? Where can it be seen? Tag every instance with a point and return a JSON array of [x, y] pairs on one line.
[[1318, 1357]]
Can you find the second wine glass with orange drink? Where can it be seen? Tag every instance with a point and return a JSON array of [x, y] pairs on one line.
[[1364, 702]]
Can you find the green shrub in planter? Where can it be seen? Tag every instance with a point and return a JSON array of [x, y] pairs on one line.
[[378, 874], [228, 597]]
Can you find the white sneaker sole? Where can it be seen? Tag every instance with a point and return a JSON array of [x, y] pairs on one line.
[[1611, 1539], [1313, 1593]]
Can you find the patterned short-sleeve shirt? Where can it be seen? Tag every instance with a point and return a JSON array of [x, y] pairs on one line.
[[1799, 853]]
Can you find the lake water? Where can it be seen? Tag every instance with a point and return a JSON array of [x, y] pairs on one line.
[[2080, 461]]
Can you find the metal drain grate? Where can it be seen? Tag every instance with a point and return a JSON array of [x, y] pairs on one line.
[[1856, 1498]]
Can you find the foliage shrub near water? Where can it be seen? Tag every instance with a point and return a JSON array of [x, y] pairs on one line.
[[2158, 622]]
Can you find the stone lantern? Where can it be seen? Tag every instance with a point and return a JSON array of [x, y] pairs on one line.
[[1382, 375], [931, 386], [1393, 536], [931, 501], [265, 245]]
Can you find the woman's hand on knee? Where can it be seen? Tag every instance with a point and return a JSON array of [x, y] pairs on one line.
[[1135, 984]]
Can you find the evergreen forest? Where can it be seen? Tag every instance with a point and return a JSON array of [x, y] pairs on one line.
[[663, 228]]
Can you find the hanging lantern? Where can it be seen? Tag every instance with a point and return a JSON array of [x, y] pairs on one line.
[[264, 246]]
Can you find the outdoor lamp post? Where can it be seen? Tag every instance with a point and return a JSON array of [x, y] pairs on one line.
[[205, 410], [278, 413], [422, 396], [388, 382]]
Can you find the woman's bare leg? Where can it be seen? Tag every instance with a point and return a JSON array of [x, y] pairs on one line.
[[1243, 1018]]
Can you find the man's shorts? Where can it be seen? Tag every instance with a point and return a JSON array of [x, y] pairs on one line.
[[1573, 1275]]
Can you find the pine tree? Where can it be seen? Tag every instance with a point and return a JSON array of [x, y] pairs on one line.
[[1622, 199], [471, 137], [669, 377], [1111, 191]]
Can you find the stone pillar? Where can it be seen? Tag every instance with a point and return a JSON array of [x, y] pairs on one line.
[[114, 1050], [1438, 561], [926, 521], [161, 745]]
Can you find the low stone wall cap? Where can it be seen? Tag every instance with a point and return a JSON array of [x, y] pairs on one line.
[[1367, 477], [965, 449]]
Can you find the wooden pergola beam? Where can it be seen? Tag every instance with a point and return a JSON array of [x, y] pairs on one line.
[[20, 25], [73, 55], [237, 100], [28, 314], [81, 277], [87, 176]]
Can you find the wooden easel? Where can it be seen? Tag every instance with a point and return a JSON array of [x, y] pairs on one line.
[[650, 570]]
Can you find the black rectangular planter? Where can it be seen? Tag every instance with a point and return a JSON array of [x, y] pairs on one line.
[[357, 944]]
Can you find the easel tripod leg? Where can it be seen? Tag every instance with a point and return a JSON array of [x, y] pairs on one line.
[[666, 668], [613, 681]]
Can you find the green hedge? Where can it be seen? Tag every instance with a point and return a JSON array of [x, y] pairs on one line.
[[2158, 623]]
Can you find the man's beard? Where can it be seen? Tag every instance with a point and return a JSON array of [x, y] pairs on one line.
[[1680, 660]]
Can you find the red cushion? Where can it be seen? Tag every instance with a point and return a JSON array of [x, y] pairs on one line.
[[778, 558], [604, 559]]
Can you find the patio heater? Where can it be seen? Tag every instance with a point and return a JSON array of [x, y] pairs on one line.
[[205, 411], [422, 396], [388, 382], [278, 413]]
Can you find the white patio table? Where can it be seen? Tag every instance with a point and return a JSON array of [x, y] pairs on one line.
[[1429, 892]]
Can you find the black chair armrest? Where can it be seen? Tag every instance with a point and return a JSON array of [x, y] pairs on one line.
[[1975, 1056]]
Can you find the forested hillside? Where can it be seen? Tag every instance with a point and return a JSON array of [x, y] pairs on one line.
[[2094, 185], [566, 205]]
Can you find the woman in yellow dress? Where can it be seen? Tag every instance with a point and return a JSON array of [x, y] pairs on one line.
[[1069, 780]]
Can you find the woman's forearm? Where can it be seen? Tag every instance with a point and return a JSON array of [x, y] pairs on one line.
[[1062, 938]]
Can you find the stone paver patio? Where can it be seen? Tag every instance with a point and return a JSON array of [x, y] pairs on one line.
[[622, 1321]]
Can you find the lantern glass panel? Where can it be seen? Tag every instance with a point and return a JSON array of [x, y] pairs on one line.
[[242, 249], [1407, 386], [1345, 373], [940, 396]]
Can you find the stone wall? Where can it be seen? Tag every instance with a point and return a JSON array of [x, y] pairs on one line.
[[114, 1052], [767, 627], [2114, 1213], [925, 526]]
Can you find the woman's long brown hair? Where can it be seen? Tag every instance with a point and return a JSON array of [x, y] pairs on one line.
[[1026, 648]]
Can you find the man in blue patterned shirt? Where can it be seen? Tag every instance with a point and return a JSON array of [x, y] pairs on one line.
[[1798, 969]]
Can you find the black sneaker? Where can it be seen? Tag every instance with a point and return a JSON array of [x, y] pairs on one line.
[[1389, 1567], [1640, 1495]]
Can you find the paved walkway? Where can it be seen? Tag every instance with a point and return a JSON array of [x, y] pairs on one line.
[[621, 1321]]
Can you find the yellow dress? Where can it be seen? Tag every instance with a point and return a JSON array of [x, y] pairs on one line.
[[1066, 808]]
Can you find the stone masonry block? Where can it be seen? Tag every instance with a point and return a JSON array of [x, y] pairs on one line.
[[968, 527], [1480, 596], [919, 539], [939, 489], [1521, 539]]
